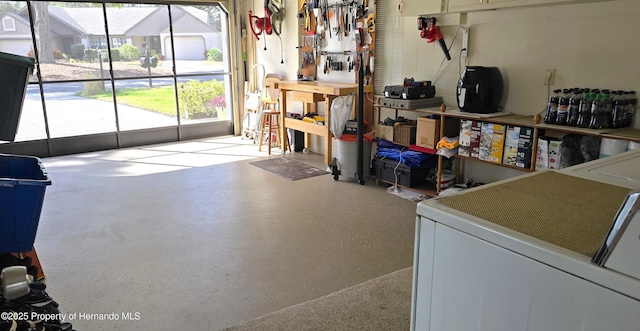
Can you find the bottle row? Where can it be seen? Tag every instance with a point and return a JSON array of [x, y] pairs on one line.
[[591, 108]]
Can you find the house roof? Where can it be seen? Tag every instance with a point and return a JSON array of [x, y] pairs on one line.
[[90, 20], [197, 13], [17, 18], [84, 19]]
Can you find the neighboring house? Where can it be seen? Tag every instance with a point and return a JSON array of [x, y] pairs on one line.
[[138, 26], [15, 35]]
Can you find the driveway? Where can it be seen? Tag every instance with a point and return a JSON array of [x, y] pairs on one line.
[[70, 115]]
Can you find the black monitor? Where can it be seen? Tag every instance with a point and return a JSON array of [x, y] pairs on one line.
[[14, 77]]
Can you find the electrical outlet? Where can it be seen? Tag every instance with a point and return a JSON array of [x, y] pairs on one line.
[[549, 76]]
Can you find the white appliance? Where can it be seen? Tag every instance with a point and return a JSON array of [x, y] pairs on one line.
[[620, 250], [620, 169], [473, 274]]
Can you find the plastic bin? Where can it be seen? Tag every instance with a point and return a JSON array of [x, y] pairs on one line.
[[348, 155], [23, 181], [14, 77]]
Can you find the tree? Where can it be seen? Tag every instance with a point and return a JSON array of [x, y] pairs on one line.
[[214, 12], [42, 26], [8, 7], [215, 19]]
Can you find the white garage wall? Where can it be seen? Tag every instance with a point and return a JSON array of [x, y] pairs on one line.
[[590, 45]]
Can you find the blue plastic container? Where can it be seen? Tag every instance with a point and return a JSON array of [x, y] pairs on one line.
[[23, 181]]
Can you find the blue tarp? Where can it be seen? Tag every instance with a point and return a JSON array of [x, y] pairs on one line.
[[403, 154]]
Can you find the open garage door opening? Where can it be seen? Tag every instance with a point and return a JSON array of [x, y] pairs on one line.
[[171, 69]]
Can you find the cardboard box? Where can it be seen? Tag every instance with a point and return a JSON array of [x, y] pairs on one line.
[[497, 143], [554, 153], [474, 145], [428, 131], [511, 138], [486, 138], [384, 131], [464, 139], [542, 154], [523, 159]]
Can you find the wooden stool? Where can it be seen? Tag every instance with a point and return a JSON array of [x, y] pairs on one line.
[[271, 124], [271, 121]]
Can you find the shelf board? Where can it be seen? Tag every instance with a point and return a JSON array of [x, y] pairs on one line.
[[572, 129], [425, 150], [626, 134], [307, 127], [527, 121], [494, 163]]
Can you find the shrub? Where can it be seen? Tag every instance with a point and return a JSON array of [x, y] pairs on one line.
[[77, 51], [129, 53], [115, 55], [93, 88], [219, 106], [57, 54], [214, 54], [91, 54], [202, 99]]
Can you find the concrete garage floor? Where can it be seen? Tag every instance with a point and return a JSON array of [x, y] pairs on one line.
[[192, 237]]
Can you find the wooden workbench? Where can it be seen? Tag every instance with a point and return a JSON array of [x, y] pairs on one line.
[[311, 92]]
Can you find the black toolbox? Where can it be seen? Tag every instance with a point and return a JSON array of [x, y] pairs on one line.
[[409, 92], [384, 169]]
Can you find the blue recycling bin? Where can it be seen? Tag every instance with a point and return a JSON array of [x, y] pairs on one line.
[[23, 181]]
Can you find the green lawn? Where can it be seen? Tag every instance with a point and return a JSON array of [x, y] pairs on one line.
[[157, 99]]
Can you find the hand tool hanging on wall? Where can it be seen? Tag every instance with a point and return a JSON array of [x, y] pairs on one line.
[[325, 16], [359, 37], [367, 68], [333, 19], [308, 59], [262, 24], [318, 17], [371, 23], [430, 32], [345, 19], [277, 16], [308, 9]]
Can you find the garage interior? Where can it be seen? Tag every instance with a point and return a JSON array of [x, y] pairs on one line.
[[179, 226]]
